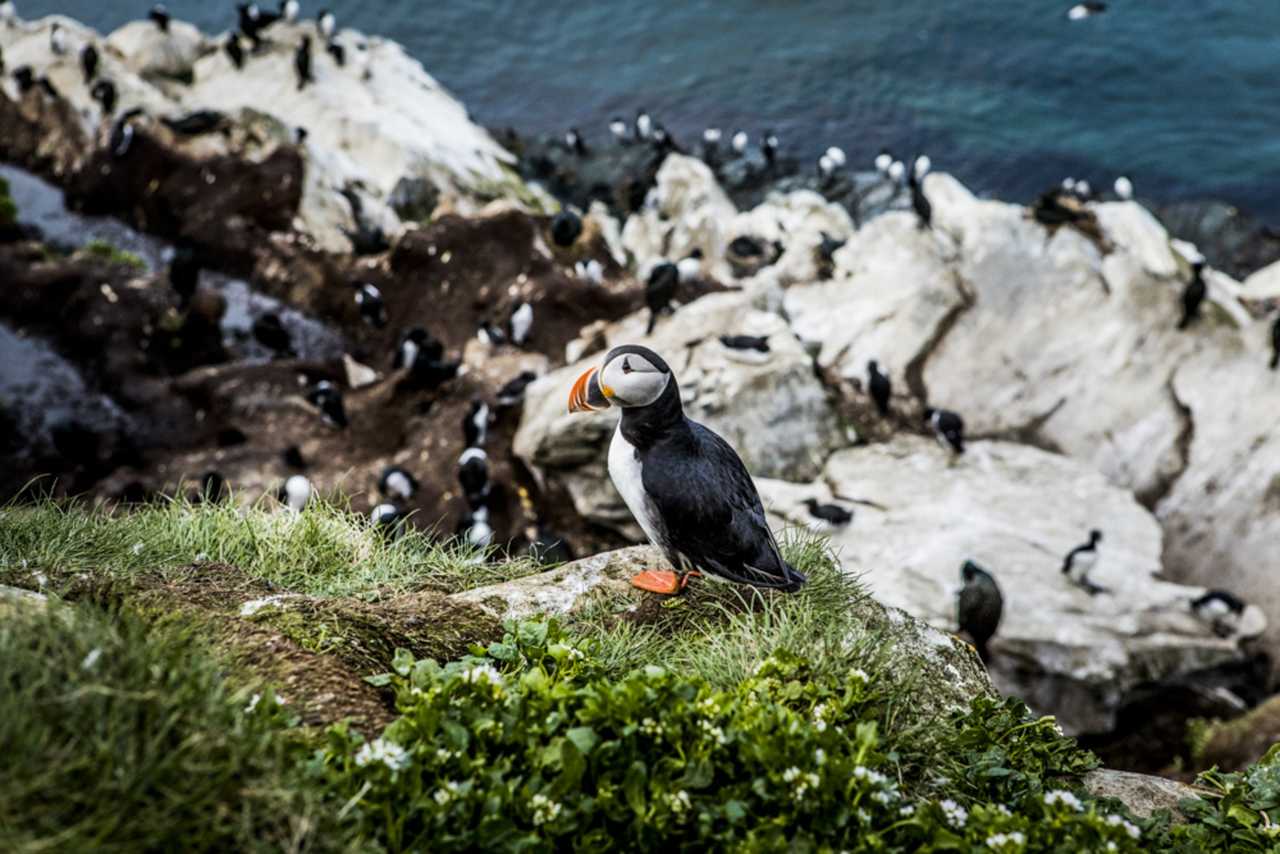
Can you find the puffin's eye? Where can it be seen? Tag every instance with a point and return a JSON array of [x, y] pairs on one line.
[[626, 366]]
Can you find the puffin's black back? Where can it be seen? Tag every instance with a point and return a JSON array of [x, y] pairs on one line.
[[705, 500]]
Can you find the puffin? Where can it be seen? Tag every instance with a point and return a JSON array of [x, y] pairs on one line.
[[686, 486], [590, 271], [1220, 609], [521, 323], [104, 92], [1087, 9], [475, 529], [372, 309], [546, 547], [234, 51], [879, 386], [1081, 560], [397, 484], [948, 427], [512, 392], [978, 607], [58, 39], [1193, 295], [288, 11], [618, 129], [690, 267], [739, 142], [1124, 189], [573, 141]]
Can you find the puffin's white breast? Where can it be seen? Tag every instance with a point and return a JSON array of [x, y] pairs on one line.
[[624, 471], [1081, 564]]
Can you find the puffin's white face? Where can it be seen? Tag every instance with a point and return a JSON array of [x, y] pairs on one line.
[[627, 379]]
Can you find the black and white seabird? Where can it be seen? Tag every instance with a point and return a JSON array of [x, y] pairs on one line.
[[1193, 295], [122, 134], [296, 493], [948, 427], [686, 487], [328, 398], [338, 52], [739, 142], [769, 148], [388, 519], [289, 11], [269, 331], [234, 51], [590, 270], [883, 161], [879, 386], [1124, 189], [58, 39], [512, 392], [1080, 561], [566, 228], [8, 14], [573, 141], [475, 424], [833, 515], [475, 528], [25, 77], [160, 15], [758, 343], [521, 323], [1275, 343], [896, 172], [919, 201], [1221, 610], [979, 606], [473, 475], [302, 62], [416, 342], [372, 308], [644, 125], [690, 267], [184, 272], [326, 24], [660, 290], [711, 142], [196, 123], [104, 92], [89, 62], [618, 128], [490, 335], [397, 484], [1087, 9]]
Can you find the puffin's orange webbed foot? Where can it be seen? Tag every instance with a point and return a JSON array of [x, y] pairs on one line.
[[662, 581]]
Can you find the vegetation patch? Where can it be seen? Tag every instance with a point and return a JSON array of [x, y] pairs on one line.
[[110, 254]]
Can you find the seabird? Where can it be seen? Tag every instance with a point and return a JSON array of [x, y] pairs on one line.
[[827, 248], [618, 127], [289, 10], [328, 398], [300, 135], [338, 52], [547, 548], [825, 167], [490, 335], [104, 92], [919, 201], [1275, 343], [372, 308], [897, 169], [521, 323], [8, 14], [475, 528], [234, 50], [659, 290], [160, 15], [122, 134], [1221, 610], [326, 24], [833, 515], [590, 270], [292, 457], [184, 272], [879, 386], [194, 124], [296, 493], [512, 393], [388, 519], [89, 62], [1080, 561], [644, 125], [690, 267], [573, 142], [475, 424], [302, 62], [739, 142], [948, 427], [1083, 190], [47, 85], [758, 343], [269, 331], [769, 147], [711, 139], [686, 486], [979, 606], [58, 39], [883, 160], [566, 228], [1124, 189], [1193, 295], [473, 475], [416, 343], [836, 156], [397, 484], [253, 21], [1087, 9]]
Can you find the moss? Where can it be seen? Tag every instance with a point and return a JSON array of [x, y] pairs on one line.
[[1235, 744], [8, 208], [110, 254]]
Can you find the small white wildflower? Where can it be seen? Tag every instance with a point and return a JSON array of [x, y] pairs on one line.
[[679, 802], [956, 815], [820, 756], [1061, 796], [442, 754], [1111, 846], [486, 671], [1129, 827], [202, 557], [544, 809], [91, 659], [864, 816], [441, 797], [859, 674], [881, 798], [790, 775], [388, 753], [860, 772], [253, 704], [137, 548], [820, 726], [998, 841], [1003, 810], [907, 810]]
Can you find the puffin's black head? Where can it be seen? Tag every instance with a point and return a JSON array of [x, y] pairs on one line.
[[1095, 536], [971, 572], [631, 377]]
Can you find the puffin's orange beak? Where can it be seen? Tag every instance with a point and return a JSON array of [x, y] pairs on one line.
[[586, 394]]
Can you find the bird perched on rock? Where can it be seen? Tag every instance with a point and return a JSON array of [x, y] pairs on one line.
[[372, 309], [296, 493], [473, 475], [234, 51], [475, 424], [948, 427], [758, 343], [896, 171], [326, 24], [883, 161], [769, 148], [1124, 189], [388, 519], [57, 39], [8, 14], [1080, 561], [618, 129], [289, 11], [979, 606], [739, 142], [590, 270], [660, 290], [690, 266], [302, 62], [25, 77], [643, 125], [475, 529], [833, 515], [122, 133], [415, 342], [573, 142], [1088, 9], [919, 201], [512, 392], [338, 52], [397, 484], [521, 323], [268, 330], [159, 15], [566, 228], [196, 123], [104, 92], [1275, 343], [686, 487], [328, 399], [879, 386], [89, 62], [184, 272], [1193, 295], [253, 21], [1220, 610], [490, 335]]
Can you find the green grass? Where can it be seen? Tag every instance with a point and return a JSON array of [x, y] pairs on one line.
[[8, 209], [113, 255]]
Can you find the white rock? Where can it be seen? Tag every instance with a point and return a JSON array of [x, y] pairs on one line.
[[1263, 284]]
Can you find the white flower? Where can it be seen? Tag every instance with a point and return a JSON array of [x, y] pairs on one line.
[[388, 753], [1129, 827], [859, 674], [91, 659], [201, 557], [1061, 796], [820, 756], [714, 732], [679, 802], [907, 810], [137, 548], [1111, 846], [1003, 810], [820, 726], [649, 726], [253, 704], [790, 775], [544, 809], [956, 814], [864, 816], [997, 841], [486, 672]]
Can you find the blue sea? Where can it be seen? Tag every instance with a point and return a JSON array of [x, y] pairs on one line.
[[1183, 96]]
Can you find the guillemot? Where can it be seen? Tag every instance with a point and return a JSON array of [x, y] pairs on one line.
[[979, 606]]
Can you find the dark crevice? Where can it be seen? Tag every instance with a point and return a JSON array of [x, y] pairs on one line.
[[1028, 433], [915, 368], [1150, 498]]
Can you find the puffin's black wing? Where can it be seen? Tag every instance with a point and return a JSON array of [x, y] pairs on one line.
[[1070, 559], [711, 513]]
